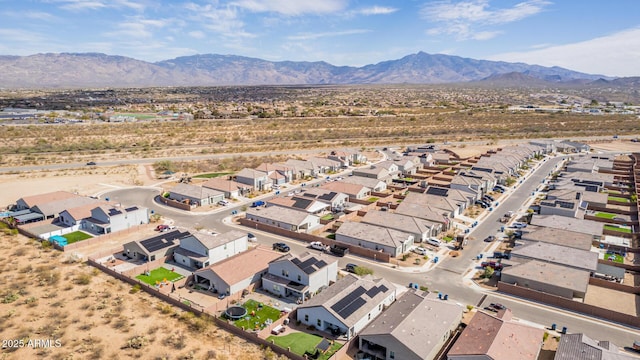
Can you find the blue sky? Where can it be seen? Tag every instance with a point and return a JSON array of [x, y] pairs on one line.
[[588, 35]]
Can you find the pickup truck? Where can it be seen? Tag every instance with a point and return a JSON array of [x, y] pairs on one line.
[[339, 250]]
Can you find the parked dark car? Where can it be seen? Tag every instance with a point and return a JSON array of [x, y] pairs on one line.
[[282, 247], [498, 306], [489, 197], [489, 238], [91, 163], [491, 264], [351, 268], [482, 204]]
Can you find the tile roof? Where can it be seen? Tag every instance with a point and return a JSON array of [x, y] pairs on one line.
[[406, 318], [580, 347], [241, 266], [194, 191], [373, 233], [34, 200], [280, 214], [499, 339], [563, 277], [212, 242], [345, 188]]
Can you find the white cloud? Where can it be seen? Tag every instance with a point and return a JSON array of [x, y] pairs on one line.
[[222, 20], [20, 35], [197, 34], [463, 18], [36, 15], [292, 7], [80, 5], [376, 10], [613, 55], [139, 28], [311, 36]]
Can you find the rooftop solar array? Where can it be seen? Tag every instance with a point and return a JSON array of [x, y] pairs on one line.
[[375, 290], [301, 203], [114, 211], [308, 265], [350, 303], [163, 240], [327, 196], [437, 191], [133, 208]]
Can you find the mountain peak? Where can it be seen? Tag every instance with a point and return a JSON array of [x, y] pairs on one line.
[[102, 70]]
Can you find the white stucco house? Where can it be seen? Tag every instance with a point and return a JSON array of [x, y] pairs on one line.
[[201, 250], [347, 306], [301, 276]]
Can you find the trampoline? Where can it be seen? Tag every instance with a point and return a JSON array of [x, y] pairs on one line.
[[235, 312]]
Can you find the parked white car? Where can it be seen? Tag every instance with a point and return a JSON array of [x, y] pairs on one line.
[[420, 251], [433, 241], [318, 246], [223, 202]]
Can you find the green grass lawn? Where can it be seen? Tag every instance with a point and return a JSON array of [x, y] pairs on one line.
[[605, 215], [618, 229], [212, 175], [327, 217], [266, 312], [302, 342], [76, 236], [614, 257], [447, 239], [373, 199], [159, 274], [618, 199]]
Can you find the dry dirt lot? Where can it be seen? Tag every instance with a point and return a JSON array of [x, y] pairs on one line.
[[624, 302], [43, 295]]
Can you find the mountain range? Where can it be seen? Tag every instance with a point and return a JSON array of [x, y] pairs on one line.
[[74, 70]]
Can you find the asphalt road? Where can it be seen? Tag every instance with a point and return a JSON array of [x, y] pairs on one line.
[[447, 277]]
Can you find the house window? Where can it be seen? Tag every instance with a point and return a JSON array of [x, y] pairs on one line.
[[392, 355], [306, 318], [153, 257], [369, 316], [380, 307], [319, 322], [299, 278]]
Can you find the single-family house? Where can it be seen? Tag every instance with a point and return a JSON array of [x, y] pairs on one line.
[[426, 212], [546, 146], [354, 191], [231, 189], [335, 200], [567, 223], [325, 165], [155, 247], [391, 166], [53, 208], [301, 203], [347, 306], [347, 157], [557, 254], [29, 202], [562, 237], [200, 250], [497, 337], [278, 173], [434, 199], [408, 165], [548, 277], [580, 347], [376, 172], [195, 195], [284, 218], [568, 146], [239, 272], [302, 168], [421, 229], [300, 276], [566, 202], [415, 327], [106, 219], [387, 240], [258, 180], [75, 216], [373, 184]]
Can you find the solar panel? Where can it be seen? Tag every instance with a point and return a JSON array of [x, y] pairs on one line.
[[437, 191], [113, 212], [301, 203], [320, 264], [352, 307], [161, 241], [348, 299], [133, 208], [327, 196], [296, 261]]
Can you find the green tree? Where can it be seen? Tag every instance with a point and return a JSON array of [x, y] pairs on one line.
[[363, 270], [488, 272]]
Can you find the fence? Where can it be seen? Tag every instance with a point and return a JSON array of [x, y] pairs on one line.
[[568, 304], [173, 203], [198, 310], [353, 249], [614, 286]]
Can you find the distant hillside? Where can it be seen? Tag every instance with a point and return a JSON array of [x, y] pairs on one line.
[[100, 70]]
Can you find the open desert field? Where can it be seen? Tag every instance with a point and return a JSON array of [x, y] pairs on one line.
[[47, 295]]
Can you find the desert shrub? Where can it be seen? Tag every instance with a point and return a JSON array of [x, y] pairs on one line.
[[10, 297], [83, 279]]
